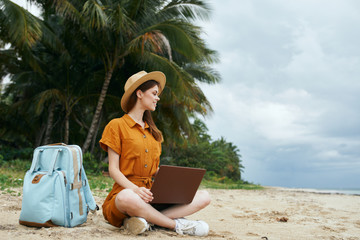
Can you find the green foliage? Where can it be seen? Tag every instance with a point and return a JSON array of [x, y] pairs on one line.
[[93, 165], [230, 185], [7, 182], [15, 164], [99, 182], [9, 153], [219, 158], [67, 85], [212, 180], [81, 45], [12, 173]]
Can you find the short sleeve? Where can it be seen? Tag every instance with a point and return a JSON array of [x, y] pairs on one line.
[[111, 137]]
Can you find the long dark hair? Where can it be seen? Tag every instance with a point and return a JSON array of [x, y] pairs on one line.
[[157, 134]]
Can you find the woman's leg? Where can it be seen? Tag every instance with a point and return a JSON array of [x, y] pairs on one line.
[[200, 201], [128, 202], [131, 204]]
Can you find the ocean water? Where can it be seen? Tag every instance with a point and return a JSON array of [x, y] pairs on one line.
[[347, 191], [339, 191]]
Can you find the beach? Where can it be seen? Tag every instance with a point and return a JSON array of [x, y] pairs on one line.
[[272, 213]]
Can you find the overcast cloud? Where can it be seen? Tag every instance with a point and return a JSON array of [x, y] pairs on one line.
[[290, 94]]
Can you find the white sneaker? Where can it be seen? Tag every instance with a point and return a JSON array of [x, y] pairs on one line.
[[136, 225], [190, 227]]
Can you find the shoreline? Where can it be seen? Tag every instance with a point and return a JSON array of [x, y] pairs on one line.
[[350, 192], [273, 212]]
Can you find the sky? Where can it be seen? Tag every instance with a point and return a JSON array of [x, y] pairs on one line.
[[289, 98]]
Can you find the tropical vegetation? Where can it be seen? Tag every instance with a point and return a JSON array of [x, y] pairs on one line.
[[67, 70]]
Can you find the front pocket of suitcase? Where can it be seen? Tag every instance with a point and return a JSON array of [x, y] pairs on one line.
[[38, 199]]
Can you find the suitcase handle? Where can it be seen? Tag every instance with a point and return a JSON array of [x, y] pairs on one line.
[[37, 157], [55, 156], [56, 144]]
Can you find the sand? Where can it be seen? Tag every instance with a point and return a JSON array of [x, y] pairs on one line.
[[273, 213]]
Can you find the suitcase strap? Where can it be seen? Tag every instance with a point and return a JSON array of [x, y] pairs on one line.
[[77, 177]]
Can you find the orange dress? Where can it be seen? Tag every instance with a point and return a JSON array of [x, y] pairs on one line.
[[139, 159]]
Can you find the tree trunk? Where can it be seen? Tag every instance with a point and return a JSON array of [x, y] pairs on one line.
[[49, 124], [96, 131], [96, 116], [66, 136], [40, 136]]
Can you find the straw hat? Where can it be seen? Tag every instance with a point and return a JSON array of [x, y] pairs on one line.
[[136, 80]]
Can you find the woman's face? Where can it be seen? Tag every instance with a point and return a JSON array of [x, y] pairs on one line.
[[149, 98]]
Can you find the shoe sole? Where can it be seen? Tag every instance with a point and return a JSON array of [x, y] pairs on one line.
[[134, 225]]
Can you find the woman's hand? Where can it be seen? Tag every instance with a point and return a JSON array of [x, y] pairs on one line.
[[144, 194]]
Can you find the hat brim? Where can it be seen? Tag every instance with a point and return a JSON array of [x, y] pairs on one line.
[[156, 76]]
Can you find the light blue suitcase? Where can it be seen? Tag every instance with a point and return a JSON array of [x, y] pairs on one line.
[[56, 191]]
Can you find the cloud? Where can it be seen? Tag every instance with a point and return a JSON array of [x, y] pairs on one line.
[[287, 132], [30, 6], [289, 98]]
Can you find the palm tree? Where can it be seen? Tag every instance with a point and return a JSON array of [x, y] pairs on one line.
[[228, 158], [18, 26], [23, 30], [155, 34], [21, 124], [116, 39], [57, 88]]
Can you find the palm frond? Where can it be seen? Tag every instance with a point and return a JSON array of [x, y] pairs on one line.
[[153, 41], [182, 36], [187, 9], [49, 94], [120, 22], [23, 28], [202, 73], [68, 10], [94, 14]]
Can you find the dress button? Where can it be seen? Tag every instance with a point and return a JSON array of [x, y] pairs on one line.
[[146, 150], [144, 136], [146, 165]]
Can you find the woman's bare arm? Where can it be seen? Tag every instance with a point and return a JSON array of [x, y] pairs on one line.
[[119, 177]]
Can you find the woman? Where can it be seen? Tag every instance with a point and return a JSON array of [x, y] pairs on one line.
[[133, 143]]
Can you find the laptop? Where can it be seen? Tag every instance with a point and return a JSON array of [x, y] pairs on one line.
[[176, 185]]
